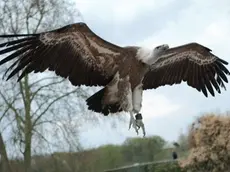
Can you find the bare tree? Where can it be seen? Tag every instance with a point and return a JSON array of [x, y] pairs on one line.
[[41, 98]]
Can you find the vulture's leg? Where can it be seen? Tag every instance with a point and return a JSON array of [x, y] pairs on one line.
[[137, 104], [133, 122], [140, 123], [125, 95]]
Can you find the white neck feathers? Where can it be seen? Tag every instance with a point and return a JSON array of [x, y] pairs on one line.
[[145, 55]]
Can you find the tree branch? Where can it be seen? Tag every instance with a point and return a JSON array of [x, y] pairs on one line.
[[12, 108], [42, 87], [43, 79], [50, 104]]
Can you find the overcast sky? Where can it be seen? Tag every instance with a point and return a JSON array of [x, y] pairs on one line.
[[169, 109]]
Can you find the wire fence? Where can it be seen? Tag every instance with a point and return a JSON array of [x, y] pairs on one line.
[[148, 167]]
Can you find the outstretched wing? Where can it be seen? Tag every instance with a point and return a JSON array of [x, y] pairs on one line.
[[73, 51], [192, 63]]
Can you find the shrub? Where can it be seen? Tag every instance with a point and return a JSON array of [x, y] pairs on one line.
[[209, 141]]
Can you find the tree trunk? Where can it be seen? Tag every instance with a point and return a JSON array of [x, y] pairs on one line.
[[4, 161], [28, 127]]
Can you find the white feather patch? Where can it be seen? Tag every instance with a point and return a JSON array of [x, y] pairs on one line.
[[129, 99], [102, 49], [192, 55], [113, 89], [137, 98], [144, 54]]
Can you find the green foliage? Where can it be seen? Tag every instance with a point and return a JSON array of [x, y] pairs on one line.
[[165, 167], [142, 149], [170, 166], [133, 150], [110, 156]]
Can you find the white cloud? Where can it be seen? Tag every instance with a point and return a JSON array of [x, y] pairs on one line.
[[119, 11], [215, 34], [157, 105], [204, 21]]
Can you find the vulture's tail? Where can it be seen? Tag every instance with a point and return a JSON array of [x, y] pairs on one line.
[[94, 104]]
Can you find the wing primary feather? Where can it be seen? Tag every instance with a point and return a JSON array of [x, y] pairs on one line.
[[203, 87], [207, 81], [24, 60], [215, 84], [195, 77], [198, 81], [220, 82], [222, 75], [11, 67], [9, 43], [27, 70], [211, 74], [15, 47], [17, 35], [222, 61], [221, 66], [15, 54], [20, 66]]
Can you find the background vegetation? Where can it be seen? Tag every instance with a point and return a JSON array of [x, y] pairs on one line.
[[133, 150]]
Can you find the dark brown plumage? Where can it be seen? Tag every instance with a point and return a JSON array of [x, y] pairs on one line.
[[69, 51], [192, 63]]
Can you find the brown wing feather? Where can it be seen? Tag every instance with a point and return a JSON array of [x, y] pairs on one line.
[[192, 63], [73, 51]]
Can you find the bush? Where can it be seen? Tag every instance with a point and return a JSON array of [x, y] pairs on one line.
[[209, 141]]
